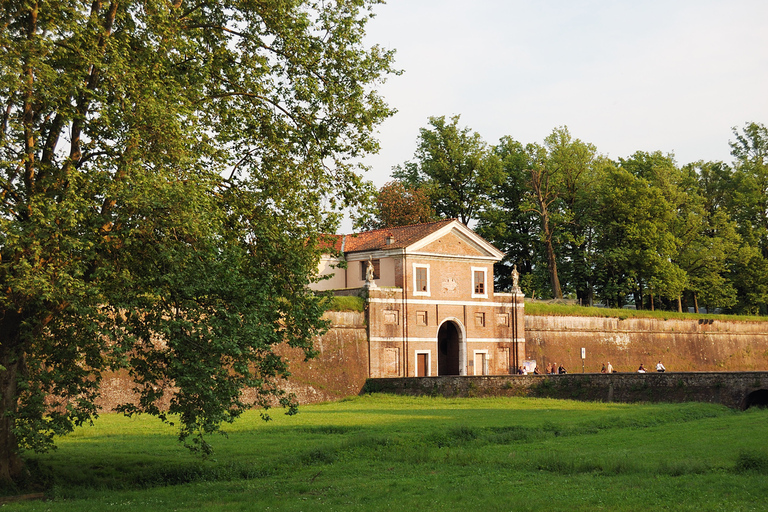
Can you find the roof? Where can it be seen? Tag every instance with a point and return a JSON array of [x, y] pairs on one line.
[[403, 236]]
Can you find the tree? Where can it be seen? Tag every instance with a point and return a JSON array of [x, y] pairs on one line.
[[638, 242], [748, 207], [397, 204], [555, 176], [709, 239], [455, 168], [165, 171], [504, 222]]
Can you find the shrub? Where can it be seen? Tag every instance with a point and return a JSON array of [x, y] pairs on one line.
[[752, 462]]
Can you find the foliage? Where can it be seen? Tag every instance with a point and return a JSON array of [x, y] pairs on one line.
[[641, 230], [397, 204], [455, 168], [512, 229], [165, 170]]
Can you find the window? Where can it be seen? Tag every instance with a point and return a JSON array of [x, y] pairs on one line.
[[479, 285], [420, 279], [364, 269]]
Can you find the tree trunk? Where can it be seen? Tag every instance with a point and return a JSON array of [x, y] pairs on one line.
[[554, 280], [696, 303], [11, 362]]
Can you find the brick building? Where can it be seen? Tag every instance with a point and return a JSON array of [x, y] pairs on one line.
[[431, 307]]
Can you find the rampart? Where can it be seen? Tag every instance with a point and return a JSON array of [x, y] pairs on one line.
[[682, 345], [339, 370], [706, 348]]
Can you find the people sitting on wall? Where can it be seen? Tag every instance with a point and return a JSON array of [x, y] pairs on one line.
[[641, 369], [536, 370], [603, 370], [561, 370], [660, 367], [609, 368]]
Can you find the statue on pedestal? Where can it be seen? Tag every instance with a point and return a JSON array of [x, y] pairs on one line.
[[369, 275], [515, 280]]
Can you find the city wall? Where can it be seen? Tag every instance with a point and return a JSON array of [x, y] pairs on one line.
[[341, 368], [682, 345]]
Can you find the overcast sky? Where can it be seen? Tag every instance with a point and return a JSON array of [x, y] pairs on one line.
[[671, 75]]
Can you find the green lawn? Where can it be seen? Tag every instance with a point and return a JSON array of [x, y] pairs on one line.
[[382, 452]]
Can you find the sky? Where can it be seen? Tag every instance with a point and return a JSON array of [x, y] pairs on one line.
[[674, 76]]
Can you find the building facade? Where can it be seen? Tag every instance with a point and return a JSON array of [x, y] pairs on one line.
[[430, 304]]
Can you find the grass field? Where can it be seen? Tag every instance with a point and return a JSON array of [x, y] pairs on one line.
[[382, 452]]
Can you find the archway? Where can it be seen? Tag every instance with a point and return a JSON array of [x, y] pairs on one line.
[[448, 349], [757, 398]]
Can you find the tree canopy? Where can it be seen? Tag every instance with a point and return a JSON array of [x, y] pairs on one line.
[[396, 204], [166, 168], [455, 167], [638, 230]]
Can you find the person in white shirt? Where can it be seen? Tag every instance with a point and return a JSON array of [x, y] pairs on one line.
[[660, 367]]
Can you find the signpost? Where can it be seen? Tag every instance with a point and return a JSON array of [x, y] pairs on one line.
[[583, 356]]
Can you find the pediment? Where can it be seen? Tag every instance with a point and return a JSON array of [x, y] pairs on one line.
[[455, 240]]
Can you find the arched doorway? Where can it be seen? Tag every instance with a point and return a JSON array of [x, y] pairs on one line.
[[448, 349], [757, 398]]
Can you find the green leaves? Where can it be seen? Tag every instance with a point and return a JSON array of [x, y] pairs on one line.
[[454, 167], [165, 172]]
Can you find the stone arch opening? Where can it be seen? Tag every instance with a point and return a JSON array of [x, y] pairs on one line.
[[448, 349], [757, 398]]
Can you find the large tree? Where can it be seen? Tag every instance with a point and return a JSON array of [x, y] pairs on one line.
[[639, 207], [395, 204], [748, 206], [455, 167], [166, 167], [556, 175], [507, 224]]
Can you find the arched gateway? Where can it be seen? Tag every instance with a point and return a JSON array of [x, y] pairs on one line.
[[451, 349]]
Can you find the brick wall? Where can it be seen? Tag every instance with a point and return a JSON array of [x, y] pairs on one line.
[[682, 345]]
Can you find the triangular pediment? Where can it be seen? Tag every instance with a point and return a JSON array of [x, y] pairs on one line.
[[455, 239]]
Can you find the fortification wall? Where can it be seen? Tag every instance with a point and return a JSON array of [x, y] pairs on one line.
[[682, 345], [341, 367], [339, 370]]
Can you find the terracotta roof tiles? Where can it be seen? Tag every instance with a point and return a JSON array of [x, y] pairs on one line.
[[403, 236]]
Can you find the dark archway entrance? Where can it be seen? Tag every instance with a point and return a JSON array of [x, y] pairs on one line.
[[757, 398], [448, 349]]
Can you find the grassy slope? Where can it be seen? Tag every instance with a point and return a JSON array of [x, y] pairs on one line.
[[382, 452], [545, 309]]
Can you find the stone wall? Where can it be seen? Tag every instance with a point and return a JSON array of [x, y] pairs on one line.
[[682, 345], [339, 370], [342, 365], [733, 389]]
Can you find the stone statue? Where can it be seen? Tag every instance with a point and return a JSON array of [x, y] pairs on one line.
[[515, 279], [369, 271]]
